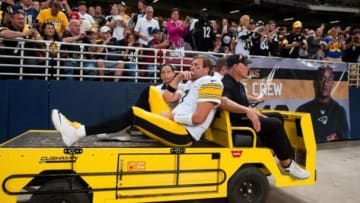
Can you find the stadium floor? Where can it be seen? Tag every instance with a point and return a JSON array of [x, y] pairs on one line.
[[338, 178]]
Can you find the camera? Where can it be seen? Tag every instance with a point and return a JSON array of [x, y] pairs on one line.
[[261, 30]]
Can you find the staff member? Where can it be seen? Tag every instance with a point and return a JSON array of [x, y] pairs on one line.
[[272, 131]]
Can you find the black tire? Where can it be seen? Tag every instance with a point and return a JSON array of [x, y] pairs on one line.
[[248, 184], [59, 185]]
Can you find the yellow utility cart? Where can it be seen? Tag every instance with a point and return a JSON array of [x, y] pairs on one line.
[[229, 162]]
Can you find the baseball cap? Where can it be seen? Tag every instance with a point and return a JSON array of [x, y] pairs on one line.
[[74, 15], [204, 10], [105, 29], [122, 3], [259, 23], [252, 21], [297, 24], [155, 30], [237, 58]]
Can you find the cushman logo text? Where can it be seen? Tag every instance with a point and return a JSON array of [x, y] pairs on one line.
[[57, 159]]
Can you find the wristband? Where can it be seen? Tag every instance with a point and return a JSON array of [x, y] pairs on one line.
[[183, 119], [171, 89]]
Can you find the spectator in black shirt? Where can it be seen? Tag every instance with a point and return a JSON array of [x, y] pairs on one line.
[[352, 51], [203, 33], [274, 39], [259, 39], [294, 41], [110, 62], [99, 17], [131, 55], [74, 60]]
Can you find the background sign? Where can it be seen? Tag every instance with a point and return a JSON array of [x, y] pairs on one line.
[[287, 84]]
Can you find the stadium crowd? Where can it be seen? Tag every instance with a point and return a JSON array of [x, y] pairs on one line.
[[57, 20]]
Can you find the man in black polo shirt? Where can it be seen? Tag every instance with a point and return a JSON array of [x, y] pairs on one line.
[[272, 131]]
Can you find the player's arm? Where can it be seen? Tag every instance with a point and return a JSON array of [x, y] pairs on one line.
[[209, 98], [202, 111], [198, 117], [170, 95]]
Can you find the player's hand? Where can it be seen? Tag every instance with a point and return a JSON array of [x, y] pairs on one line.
[[186, 75], [168, 115]]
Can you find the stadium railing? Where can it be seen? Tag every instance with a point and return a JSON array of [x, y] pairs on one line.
[[22, 62]]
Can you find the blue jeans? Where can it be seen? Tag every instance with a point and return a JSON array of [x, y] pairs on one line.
[[151, 67], [90, 68], [131, 66]]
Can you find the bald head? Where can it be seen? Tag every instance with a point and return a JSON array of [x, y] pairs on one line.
[[74, 26]]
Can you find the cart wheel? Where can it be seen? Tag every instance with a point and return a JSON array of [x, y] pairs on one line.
[[58, 186], [248, 184]]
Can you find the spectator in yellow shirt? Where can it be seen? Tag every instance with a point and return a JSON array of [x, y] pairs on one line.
[[54, 15]]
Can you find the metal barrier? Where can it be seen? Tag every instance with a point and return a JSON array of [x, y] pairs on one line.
[[354, 74], [50, 60]]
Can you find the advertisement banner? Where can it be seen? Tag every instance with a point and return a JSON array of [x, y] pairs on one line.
[[319, 88]]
